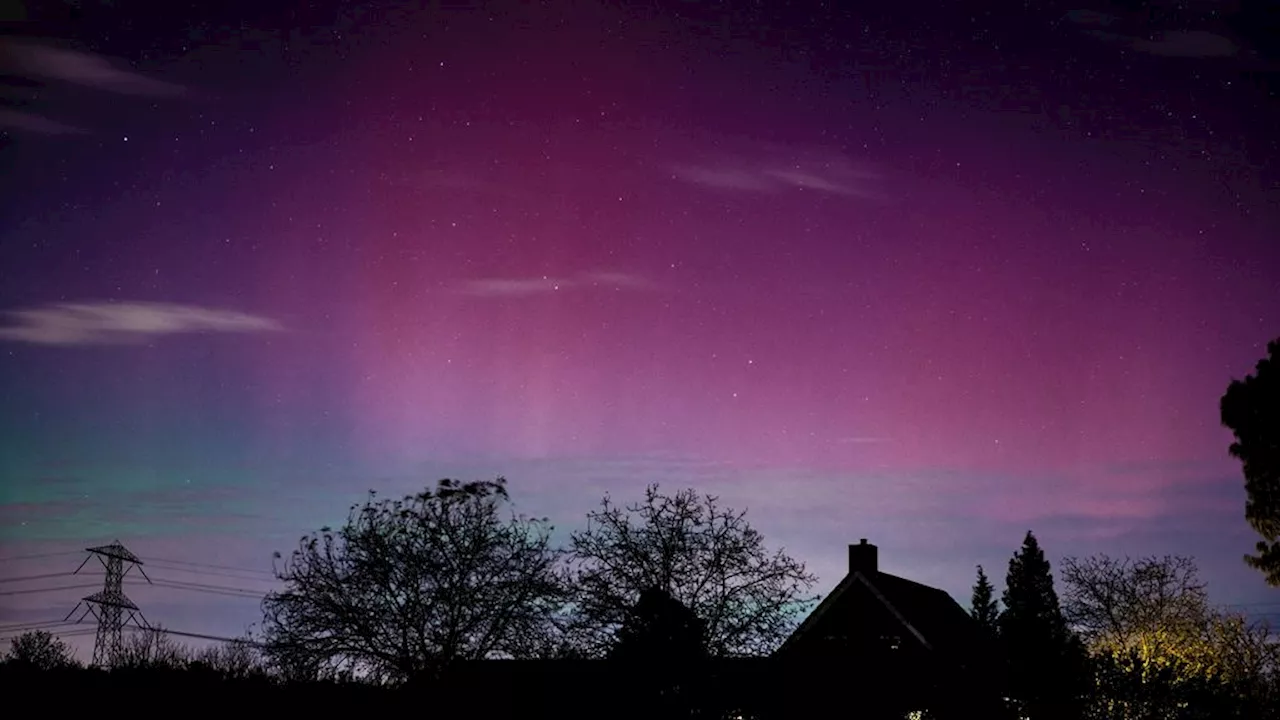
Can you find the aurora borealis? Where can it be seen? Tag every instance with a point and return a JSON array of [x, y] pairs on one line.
[[931, 279]]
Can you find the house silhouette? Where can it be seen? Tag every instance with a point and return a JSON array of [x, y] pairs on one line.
[[898, 646], [877, 647]]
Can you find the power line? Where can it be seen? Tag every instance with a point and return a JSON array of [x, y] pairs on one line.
[[33, 625], [32, 591], [27, 578], [53, 628], [73, 627], [210, 589], [203, 636], [39, 556], [197, 587], [205, 586], [84, 631], [78, 631], [69, 632], [189, 563], [109, 605], [237, 575], [167, 583]]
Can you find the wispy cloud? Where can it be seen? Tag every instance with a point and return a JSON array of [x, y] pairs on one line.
[[1191, 43], [33, 59], [1170, 43], [452, 178], [510, 287], [830, 174], [1084, 16], [526, 286], [615, 279], [97, 323], [29, 122], [862, 440]]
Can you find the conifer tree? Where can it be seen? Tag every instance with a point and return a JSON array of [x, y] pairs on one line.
[[1251, 410], [984, 607], [1046, 661], [1030, 601]]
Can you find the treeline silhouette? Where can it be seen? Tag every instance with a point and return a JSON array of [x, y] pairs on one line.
[[444, 603]]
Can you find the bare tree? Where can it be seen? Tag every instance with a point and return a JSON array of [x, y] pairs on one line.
[[1248, 650], [1161, 646], [152, 648], [407, 587], [40, 650], [236, 659], [1120, 601], [704, 556]]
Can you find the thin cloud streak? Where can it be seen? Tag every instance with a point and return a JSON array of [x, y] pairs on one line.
[[524, 287], [29, 122], [833, 175], [80, 68], [1193, 43], [511, 287], [1170, 43], [101, 323]]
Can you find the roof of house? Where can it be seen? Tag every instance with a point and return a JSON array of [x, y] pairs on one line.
[[930, 615]]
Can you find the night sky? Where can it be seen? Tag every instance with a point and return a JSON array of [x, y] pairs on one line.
[[908, 272]]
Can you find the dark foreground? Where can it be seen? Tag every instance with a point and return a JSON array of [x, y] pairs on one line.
[[500, 689]]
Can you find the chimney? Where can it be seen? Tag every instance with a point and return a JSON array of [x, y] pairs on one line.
[[863, 558]]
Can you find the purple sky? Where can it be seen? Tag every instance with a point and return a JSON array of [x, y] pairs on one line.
[[932, 279]]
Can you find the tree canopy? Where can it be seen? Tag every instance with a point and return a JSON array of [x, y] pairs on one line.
[[660, 630], [706, 557], [40, 650], [1251, 410], [239, 658], [152, 648], [1159, 648], [1120, 602], [406, 587]]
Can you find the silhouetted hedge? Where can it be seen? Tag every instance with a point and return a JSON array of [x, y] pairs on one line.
[[156, 692], [564, 689], [499, 689]]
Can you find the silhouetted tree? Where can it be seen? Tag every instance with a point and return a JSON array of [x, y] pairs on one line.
[[1251, 409], [1118, 603], [1159, 648], [706, 557], [39, 650], [152, 649], [660, 629], [1046, 662], [1128, 686], [237, 659], [406, 587], [661, 647], [984, 607], [985, 652], [1229, 672], [1248, 653]]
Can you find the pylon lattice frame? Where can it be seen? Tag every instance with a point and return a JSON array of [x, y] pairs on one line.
[[110, 606]]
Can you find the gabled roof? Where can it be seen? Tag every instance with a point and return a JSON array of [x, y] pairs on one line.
[[930, 615]]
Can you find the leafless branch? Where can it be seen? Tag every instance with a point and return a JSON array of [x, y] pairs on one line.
[[703, 555], [407, 586]]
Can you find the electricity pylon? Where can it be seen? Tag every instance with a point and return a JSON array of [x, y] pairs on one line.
[[110, 606]]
